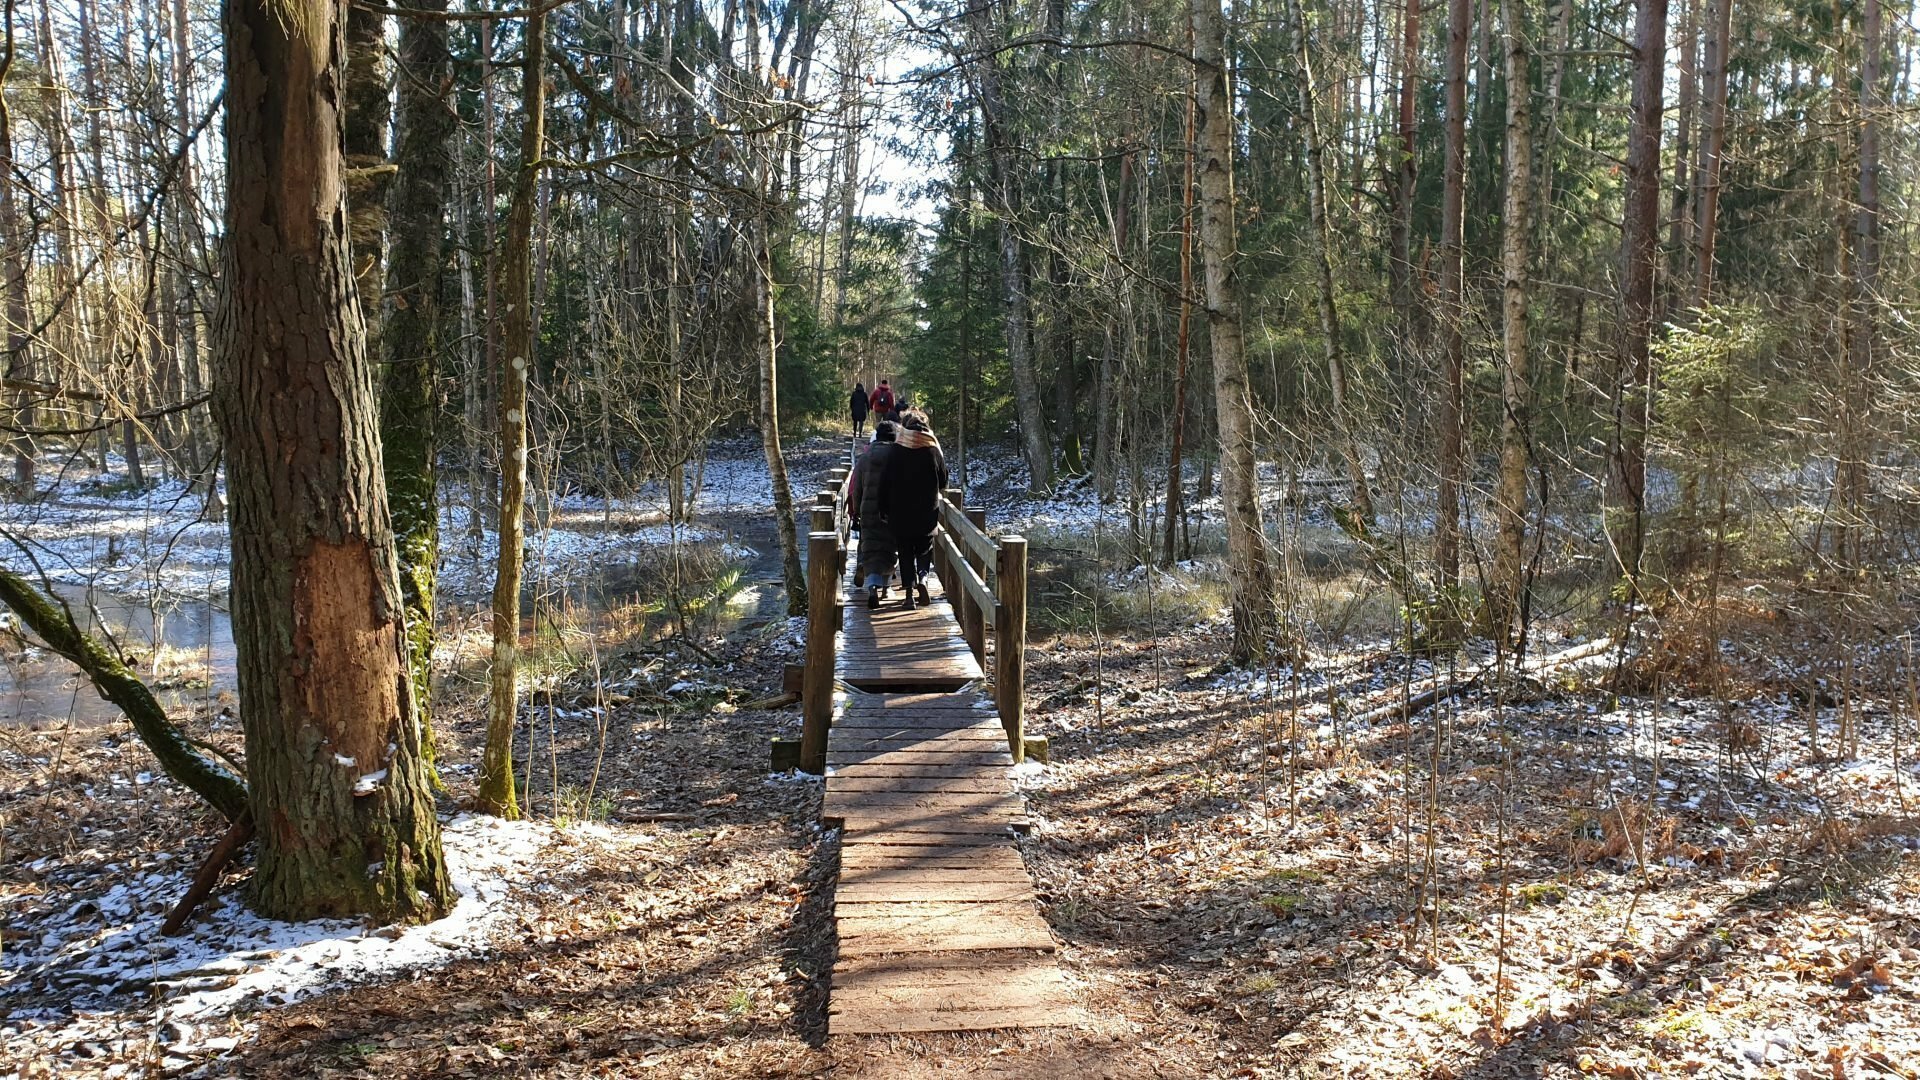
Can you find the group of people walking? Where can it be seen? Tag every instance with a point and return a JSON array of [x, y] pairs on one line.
[[880, 404], [895, 495]]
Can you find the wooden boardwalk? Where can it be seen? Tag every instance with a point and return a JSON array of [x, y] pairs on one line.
[[938, 926]]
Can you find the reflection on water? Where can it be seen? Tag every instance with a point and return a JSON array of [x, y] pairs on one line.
[[182, 647], [184, 650]]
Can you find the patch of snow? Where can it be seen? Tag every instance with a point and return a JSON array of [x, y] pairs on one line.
[[233, 960]]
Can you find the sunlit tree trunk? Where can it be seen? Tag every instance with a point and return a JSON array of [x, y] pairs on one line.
[[519, 337], [1510, 499], [1640, 250], [1250, 567], [340, 794]]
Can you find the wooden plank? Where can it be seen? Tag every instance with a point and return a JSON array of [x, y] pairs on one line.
[[904, 968], [918, 873], [886, 937], [964, 699], [894, 838], [937, 801], [1026, 990], [981, 758], [986, 728], [905, 1022], [859, 856], [850, 897], [896, 739], [966, 990], [914, 769], [982, 785], [916, 821]]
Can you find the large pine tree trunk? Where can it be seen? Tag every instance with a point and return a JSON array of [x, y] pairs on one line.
[[1632, 389], [410, 334], [518, 338], [1450, 420], [339, 788], [1250, 568], [1510, 498]]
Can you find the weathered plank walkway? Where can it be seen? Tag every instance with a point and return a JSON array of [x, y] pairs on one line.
[[938, 925]]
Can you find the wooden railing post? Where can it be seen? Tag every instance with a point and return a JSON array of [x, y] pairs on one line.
[[973, 621], [1010, 641], [823, 608]]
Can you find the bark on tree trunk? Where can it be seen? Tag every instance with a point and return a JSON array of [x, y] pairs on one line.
[[1625, 510], [369, 173], [339, 789], [410, 335], [518, 337], [1400, 267], [1183, 344], [1250, 567], [1712, 149], [1005, 189], [1452, 302], [13, 266], [1510, 498], [766, 348]]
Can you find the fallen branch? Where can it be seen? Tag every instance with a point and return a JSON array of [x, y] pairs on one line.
[[1435, 690], [223, 852], [209, 779]]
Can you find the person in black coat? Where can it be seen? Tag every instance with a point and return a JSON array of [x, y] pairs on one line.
[[857, 404], [863, 494], [908, 498]]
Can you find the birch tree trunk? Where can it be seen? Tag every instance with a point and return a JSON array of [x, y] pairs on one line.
[[1249, 565], [340, 792], [1510, 498]]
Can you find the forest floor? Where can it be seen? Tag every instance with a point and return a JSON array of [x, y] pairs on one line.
[[1531, 879]]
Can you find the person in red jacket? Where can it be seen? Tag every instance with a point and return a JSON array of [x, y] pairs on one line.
[[882, 401]]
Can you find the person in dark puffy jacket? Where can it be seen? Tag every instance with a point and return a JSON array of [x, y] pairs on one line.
[[876, 539], [909, 498], [857, 405]]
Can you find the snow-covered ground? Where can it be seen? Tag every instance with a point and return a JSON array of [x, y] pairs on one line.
[[101, 954], [93, 530]]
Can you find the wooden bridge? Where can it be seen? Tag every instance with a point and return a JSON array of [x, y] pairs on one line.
[[936, 916]]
